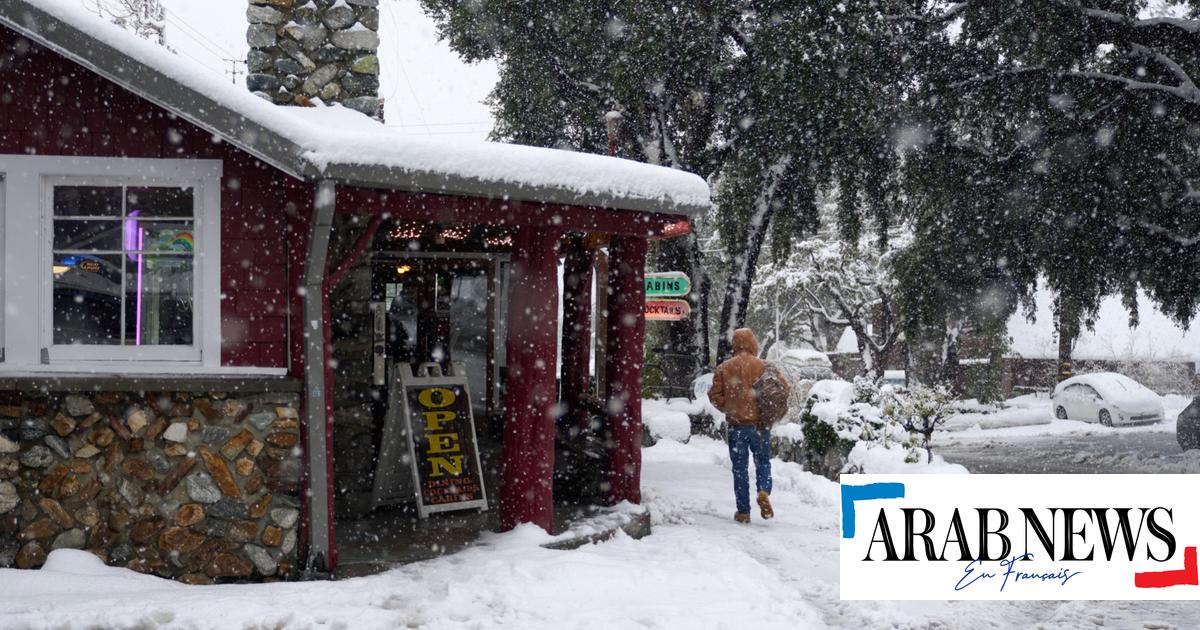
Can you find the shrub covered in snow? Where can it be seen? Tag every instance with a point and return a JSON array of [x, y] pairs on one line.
[[920, 413], [853, 412], [836, 416], [839, 418]]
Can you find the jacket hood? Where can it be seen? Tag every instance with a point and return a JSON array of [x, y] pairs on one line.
[[744, 341]]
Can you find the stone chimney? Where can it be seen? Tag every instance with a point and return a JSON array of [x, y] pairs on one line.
[[304, 50]]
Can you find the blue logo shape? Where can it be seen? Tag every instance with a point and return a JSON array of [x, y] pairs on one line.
[[850, 494]]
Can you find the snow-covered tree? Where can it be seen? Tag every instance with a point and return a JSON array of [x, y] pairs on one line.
[[1059, 147], [147, 18], [853, 284], [779, 310], [921, 413]]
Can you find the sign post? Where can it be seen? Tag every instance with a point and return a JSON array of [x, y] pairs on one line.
[[431, 412]]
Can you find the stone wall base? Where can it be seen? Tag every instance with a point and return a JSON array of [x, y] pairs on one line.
[[200, 487]]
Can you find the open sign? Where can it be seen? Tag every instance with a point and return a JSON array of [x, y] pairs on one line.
[[432, 413]]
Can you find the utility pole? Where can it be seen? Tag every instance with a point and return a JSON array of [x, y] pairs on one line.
[[234, 71]]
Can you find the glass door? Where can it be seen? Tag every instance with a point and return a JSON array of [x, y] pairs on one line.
[[443, 310]]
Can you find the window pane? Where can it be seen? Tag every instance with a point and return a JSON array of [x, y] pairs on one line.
[[158, 300], [87, 201], [160, 236], [87, 299], [159, 202], [100, 235]]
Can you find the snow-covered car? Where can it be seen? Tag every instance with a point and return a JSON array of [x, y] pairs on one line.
[[1108, 398], [897, 379], [803, 364], [1187, 426]]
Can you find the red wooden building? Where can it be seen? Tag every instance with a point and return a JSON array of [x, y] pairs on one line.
[[190, 273]]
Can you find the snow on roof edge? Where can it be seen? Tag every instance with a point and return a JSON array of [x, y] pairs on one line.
[[292, 139]]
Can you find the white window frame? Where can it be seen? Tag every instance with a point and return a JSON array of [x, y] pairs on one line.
[[3, 230], [98, 352], [26, 252]]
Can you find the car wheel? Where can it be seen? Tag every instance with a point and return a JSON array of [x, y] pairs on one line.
[[1105, 418], [1060, 413]]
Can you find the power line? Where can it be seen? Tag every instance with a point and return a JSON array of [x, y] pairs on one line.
[[100, 9], [416, 99], [196, 34], [214, 51], [202, 64]]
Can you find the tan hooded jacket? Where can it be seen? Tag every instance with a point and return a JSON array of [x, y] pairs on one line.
[[733, 383]]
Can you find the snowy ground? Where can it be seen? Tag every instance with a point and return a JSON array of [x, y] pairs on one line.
[[1025, 437], [698, 570], [1032, 415]]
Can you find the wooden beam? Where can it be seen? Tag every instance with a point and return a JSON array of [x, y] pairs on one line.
[[356, 252], [577, 329], [527, 480], [626, 346]]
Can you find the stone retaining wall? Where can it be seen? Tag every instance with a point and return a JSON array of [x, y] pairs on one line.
[[198, 487]]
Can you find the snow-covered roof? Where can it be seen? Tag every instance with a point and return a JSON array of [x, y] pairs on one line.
[[341, 144], [847, 343]]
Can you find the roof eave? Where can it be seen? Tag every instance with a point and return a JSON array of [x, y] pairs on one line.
[[373, 176]]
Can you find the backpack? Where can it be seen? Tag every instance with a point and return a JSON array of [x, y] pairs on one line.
[[771, 393]]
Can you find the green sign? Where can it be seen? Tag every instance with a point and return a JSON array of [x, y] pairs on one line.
[[668, 284]]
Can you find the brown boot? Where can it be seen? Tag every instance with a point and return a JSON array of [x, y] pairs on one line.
[[764, 505], [741, 517]]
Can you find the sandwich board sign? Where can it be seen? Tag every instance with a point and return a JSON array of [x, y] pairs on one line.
[[429, 450], [668, 284]]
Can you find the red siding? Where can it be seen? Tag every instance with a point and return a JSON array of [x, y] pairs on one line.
[[51, 106]]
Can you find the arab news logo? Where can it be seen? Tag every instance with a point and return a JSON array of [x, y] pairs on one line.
[[1155, 519]]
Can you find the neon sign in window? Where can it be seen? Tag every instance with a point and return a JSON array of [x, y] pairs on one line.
[[123, 265]]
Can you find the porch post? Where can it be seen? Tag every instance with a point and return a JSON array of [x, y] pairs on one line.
[[526, 487], [576, 329], [626, 337]]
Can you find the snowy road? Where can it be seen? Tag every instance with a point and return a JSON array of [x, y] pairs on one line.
[[698, 570], [1122, 453]]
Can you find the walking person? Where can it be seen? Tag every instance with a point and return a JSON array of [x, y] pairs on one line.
[[733, 393]]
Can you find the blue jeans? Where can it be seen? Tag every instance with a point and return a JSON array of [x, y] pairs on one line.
[[742, 442]]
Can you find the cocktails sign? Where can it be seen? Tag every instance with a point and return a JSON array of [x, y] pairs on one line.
[[667, 310]]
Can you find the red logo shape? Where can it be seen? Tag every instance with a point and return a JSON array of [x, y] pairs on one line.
[[1188, 575]]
